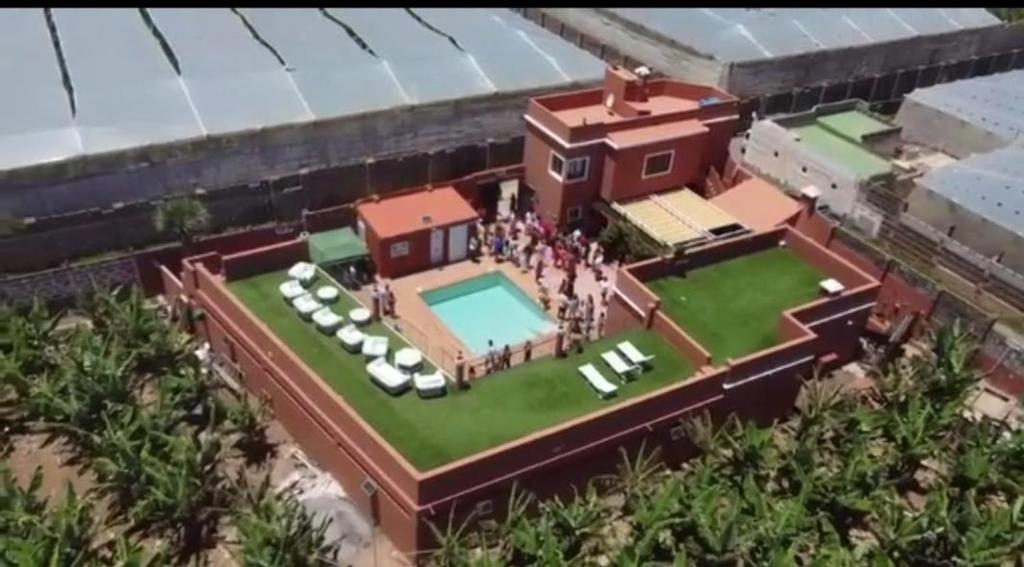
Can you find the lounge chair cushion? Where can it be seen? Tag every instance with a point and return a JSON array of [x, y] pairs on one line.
[[633, 354], [306, 305], [388, 377], [360, 316], [621, 367], [291, 289], [604, 388], [304, 272], [375, 346], [429, 385], [351, 338], [326, 320]]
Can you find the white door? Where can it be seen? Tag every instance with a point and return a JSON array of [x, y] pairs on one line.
[[437, 246], [458, 240]]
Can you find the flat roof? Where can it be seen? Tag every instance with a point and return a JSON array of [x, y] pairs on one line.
[[231, 71], [732, 308], [854, 124], [597, 113], [835, 148], [740, 34], [991, 185], [657, 133], [757, 204], [499, 408], [413, 212]]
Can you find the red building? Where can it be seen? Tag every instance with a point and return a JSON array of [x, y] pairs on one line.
[[631, 138], [416, 231]]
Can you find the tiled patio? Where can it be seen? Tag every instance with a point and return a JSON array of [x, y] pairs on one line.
[[425, 330]]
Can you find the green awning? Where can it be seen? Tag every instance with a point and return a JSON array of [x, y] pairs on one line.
[[336, 247]]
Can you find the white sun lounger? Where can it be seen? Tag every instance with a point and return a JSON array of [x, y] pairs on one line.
[[291, 289], [605, 389], [327, 321], [389, 378], [633, 354], [430, 385], [304, 272], [625, 370], [306, 306], [351, 338], [375, 346]]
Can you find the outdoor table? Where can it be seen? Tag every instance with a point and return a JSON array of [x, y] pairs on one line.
[[408, 359], [327, 294], [360, 316]]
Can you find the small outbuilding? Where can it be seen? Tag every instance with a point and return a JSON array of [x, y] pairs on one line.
[[416, 231]]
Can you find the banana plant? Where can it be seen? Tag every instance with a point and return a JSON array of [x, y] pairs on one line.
[[274, 530]]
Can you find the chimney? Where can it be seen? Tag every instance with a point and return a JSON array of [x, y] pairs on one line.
[[643, 72], [809, 197]]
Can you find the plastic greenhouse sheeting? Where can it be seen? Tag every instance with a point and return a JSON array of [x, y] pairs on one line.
[[126, 90], [428, 66], [994, 103], [235, 82], [505, 56], [334, 74], [35, 114], [990, 184], [739, 34]]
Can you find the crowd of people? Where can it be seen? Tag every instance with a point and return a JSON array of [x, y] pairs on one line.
[[531, 244]]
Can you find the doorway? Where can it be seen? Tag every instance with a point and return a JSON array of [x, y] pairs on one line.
[[436, 246]]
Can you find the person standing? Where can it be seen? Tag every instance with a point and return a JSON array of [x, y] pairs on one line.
[[600, 324], [527, 351], [513, 204], [506, 357], [392, 300], [491, 356], [538, 271]]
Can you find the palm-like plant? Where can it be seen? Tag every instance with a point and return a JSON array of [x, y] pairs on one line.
[[31, 535], [184, 217], [274, 530]]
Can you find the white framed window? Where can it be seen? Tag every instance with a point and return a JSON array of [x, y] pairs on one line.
[[574, 214], [399, 249], [658, 164], [569, 170]]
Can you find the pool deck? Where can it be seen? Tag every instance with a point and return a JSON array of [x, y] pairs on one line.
[[417, 321]]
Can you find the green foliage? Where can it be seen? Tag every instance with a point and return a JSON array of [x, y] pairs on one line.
[[624, 242], [184, 217], [898, 477], [130, 400], [1010, 15], [276, 531]]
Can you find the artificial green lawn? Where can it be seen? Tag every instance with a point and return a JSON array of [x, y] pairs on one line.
[[733, 308], [498, 408]]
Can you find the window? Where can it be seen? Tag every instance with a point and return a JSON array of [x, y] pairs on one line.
[[574, 214], [571, 170], [399, 249], [557, 164], [658, 164]]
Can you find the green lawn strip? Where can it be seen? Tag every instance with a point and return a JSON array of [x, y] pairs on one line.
[[733, 308], [497, 409]]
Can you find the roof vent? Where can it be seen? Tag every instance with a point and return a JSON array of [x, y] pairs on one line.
[[427, 219]]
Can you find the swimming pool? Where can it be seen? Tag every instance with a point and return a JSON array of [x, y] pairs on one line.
[[488, 307]]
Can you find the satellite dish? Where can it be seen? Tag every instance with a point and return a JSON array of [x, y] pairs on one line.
[[609, 102]]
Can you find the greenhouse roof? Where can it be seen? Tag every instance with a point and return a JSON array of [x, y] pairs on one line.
[[740, 34], [115, 79]]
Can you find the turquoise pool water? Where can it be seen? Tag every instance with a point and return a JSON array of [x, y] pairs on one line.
[[488, 307]]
